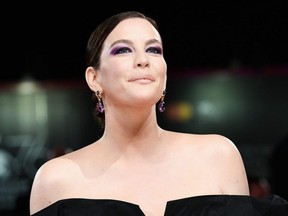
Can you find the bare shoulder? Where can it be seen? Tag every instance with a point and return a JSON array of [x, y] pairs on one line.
[[228, 163], [223, 149], [216, 156], [51, 180], [212, 143], [212, 147], [216, 143], [52, 170]]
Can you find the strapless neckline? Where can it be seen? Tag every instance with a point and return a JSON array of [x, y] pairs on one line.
[[204, 205]]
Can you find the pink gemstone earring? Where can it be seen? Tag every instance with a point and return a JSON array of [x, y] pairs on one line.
[[161, 105], [99, 105]]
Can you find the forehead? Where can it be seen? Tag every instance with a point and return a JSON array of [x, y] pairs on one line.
[[132, 29]]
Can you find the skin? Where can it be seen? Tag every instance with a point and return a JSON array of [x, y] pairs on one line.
[[135, 160]]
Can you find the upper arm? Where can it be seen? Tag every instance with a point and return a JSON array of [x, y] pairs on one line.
[[45, 187], [232, 169]]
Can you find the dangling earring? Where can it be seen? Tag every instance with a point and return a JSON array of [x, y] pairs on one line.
[[100, 106], [161, 105]]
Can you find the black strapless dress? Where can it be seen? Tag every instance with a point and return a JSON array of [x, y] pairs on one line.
[[206, 205]]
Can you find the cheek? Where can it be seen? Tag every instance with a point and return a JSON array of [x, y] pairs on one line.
[[112, 69], [112, 74], [162, 69], [162, 66]]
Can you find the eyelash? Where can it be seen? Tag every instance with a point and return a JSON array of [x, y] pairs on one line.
[[155, 50], [121, 50]]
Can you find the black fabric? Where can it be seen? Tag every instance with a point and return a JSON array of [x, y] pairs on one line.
[[208, 205]]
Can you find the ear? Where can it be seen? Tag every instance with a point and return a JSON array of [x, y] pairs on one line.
[[91, 79]]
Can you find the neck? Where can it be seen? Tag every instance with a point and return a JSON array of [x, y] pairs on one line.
[[140, 147]]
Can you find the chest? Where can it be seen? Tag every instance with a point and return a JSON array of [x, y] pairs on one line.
[[150, 187], [145, 184]]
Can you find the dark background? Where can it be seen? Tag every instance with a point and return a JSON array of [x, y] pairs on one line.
[[196, 34], [227, 73]]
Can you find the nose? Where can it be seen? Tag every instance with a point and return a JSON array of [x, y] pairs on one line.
[[143, 65], [142, 60]]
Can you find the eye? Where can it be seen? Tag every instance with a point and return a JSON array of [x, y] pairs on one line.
[[120, 50], [154, 50]]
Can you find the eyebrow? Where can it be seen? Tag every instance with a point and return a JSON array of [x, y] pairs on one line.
[[125, 41]]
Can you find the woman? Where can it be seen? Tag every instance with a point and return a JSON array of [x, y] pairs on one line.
[[136, 167]]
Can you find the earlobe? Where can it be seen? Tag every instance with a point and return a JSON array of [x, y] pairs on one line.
[[91, 78]]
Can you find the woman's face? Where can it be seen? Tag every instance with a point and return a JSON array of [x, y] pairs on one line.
[[132, 68]]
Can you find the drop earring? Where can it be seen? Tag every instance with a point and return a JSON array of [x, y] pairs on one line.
[[100, 106], [161, 105]]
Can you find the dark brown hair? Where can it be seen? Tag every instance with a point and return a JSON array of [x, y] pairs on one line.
[[95, 46]]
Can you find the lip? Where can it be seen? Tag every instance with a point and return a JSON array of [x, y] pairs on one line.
[[142, 79]]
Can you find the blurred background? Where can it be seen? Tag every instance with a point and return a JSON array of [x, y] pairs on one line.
[[227, 74]]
